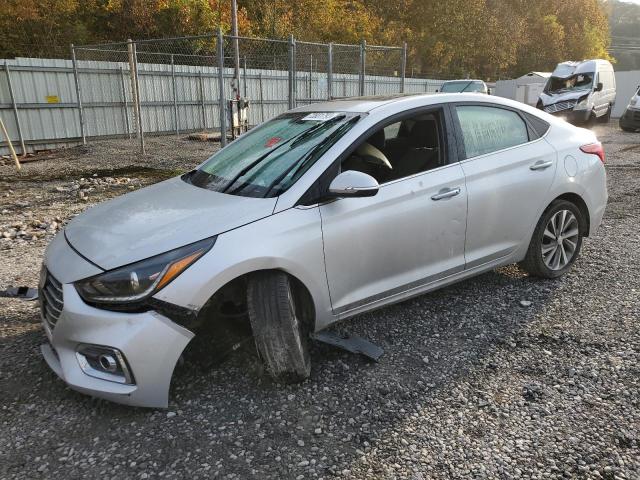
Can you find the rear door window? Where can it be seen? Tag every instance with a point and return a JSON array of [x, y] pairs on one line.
[[489, 129]]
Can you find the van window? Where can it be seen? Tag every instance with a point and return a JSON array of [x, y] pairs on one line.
[[489, 129]]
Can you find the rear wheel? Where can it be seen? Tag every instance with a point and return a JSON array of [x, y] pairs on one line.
[[280, 333], [556, 241]]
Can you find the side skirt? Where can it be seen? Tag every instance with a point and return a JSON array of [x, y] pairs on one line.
[[347, 312]]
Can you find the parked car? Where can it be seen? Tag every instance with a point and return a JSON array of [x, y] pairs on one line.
[[630, 120], [580, 91], [464, 86], [325, 212]]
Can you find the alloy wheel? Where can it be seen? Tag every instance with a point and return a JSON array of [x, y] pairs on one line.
[[560, 239]]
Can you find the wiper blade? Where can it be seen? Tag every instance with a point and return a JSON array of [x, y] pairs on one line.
[[246, 169], [293, 141], [310, 154], [315, 128], [466, 86]]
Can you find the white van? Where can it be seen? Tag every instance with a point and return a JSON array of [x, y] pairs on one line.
[[580, 91]]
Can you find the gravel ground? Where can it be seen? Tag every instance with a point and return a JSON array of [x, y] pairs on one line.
[[472, 385]]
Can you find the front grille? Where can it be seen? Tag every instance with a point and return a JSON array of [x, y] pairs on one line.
[[51, 300], [560, 106]]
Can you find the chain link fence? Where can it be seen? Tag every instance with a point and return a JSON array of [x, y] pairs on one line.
[[196, 84]]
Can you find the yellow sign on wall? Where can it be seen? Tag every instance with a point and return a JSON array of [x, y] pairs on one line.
[[53, 99]]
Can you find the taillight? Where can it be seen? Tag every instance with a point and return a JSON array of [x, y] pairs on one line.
[[594, 149]]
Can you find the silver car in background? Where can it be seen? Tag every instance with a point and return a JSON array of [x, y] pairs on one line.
[[464, 86], [322, 213]]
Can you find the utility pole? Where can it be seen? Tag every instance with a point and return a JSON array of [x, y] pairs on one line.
[[235, 84]]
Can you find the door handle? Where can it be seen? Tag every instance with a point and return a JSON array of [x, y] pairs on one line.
[[446, 193], [541, 165]]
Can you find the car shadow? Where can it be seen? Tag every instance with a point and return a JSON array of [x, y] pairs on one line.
[[431, 344]]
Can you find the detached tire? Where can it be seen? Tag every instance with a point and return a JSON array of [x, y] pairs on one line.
[[556, 241], [278, 327]]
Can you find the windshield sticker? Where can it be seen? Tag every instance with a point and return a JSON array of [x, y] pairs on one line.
[[320, 116], [272, 141]]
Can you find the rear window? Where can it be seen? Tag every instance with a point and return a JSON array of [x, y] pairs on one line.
[[489, 129]]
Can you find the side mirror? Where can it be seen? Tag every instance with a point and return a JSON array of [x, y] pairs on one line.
[[598, 87], [353, 184]]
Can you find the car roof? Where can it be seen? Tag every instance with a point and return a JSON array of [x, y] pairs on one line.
[[368, 104], [475, 80], [354, 104]]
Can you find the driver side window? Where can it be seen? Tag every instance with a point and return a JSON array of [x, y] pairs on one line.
[[403, 148]]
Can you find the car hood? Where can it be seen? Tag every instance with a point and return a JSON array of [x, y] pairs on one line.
[[157, 219], [561, 97]]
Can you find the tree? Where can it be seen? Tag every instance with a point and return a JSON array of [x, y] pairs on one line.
[[479, 38]]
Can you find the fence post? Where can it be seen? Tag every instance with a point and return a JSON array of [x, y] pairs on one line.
[[244, 77], [363, 63], [330, 71], [175, 95], [132, 82], [125, 104], [204, 115], [78, 93], [292, 72], [137, 98], [221, 102], [403, 67], [15, 109], [261, 97]]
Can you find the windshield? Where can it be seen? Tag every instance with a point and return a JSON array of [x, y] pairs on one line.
[[270, 158], [574, 83], [462, 86]]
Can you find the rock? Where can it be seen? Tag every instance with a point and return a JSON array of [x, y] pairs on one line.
[[525, 303]]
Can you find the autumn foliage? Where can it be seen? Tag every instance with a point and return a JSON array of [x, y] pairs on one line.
[[481, 38]]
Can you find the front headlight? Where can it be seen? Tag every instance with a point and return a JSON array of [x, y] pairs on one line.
[[139, 280]]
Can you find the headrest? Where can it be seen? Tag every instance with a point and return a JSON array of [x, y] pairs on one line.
[[377, 139], [424, 134]]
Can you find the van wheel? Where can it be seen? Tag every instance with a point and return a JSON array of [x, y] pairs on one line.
[[556, 241], [279, 330], [627, 129]]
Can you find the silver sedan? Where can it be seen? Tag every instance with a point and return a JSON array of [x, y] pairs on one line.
[[322, 213]]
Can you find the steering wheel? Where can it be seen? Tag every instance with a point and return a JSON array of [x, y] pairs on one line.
[[371, 154]]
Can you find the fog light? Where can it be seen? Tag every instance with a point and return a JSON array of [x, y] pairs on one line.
[[108, 363], [105, 363]]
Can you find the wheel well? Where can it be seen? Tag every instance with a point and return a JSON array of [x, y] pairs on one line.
[[230, 300], [578, 202]]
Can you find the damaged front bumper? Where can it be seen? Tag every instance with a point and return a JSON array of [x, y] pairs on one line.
[[127, 358], [149, 344], [576, 117]]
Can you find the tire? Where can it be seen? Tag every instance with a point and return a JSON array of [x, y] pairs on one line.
[[279, 331], [627, 129], [541, 260]]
